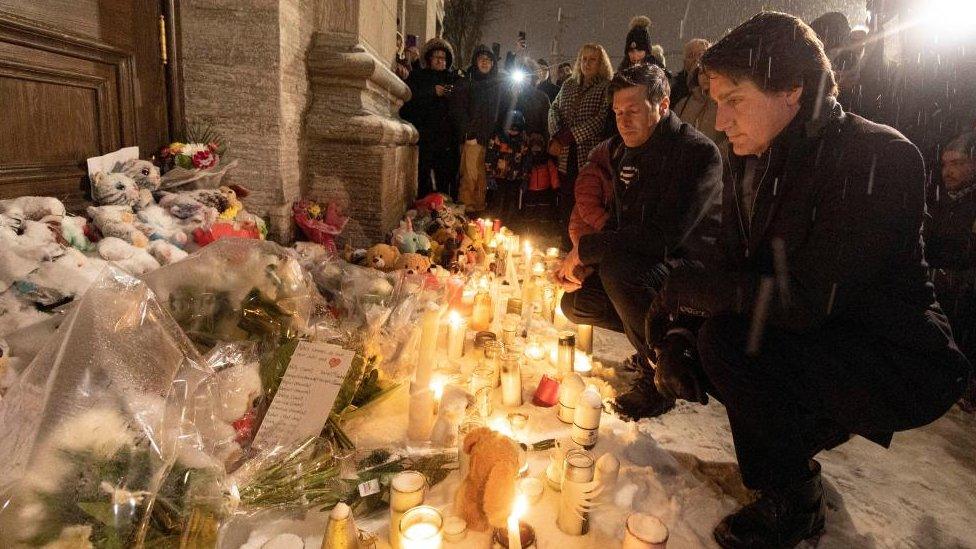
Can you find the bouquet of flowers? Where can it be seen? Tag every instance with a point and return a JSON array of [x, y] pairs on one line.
[[195, 160]]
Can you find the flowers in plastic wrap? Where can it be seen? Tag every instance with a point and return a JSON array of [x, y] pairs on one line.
[[194, 162], [98, 436]]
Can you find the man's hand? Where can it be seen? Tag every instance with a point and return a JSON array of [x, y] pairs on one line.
[[568, 271], [677, 373], [439, 90]]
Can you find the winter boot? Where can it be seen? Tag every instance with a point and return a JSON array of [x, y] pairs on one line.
[[643, 399], [781, 518]]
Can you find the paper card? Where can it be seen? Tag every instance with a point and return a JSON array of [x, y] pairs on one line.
[[107, 162], [369, 488], [306, 395]]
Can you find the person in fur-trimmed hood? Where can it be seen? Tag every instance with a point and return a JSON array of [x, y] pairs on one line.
[[428, 109], [637, 49]]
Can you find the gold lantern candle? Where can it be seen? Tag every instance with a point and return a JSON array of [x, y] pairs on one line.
[[481, 313]]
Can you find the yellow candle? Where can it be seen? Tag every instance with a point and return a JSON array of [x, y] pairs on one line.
[[421, 528], [481, 313], [584, 338], [456, 329]]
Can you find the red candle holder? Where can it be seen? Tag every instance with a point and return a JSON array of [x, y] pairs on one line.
[[547, 394]]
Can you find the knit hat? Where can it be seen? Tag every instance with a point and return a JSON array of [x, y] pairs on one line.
[[639, 36]]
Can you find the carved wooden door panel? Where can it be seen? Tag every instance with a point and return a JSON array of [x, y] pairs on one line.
[[78, 78]]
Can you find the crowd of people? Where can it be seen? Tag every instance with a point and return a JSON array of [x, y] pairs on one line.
[[755, 224]]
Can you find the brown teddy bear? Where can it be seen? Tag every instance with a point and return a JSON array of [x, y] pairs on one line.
[[382, 257], [442, 235], [413, 264], [486, 495]]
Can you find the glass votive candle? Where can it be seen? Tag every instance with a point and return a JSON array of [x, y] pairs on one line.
[[531, 488], [407, 491], [645, 531], [421, 528], [455, 529], [517, 420]]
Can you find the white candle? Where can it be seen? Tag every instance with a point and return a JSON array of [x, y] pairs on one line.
[[456, 329], [429, 327], [583, 364], [584, 338], [421, 528], [572, 517], [607, 470], [531, 488], [514, 532], [645, 532], [569, 392], [586, 418], [421, 413], [407, 490], [559, 319], [511, 380]]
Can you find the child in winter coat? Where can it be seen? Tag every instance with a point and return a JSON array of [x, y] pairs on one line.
[[508, 162]]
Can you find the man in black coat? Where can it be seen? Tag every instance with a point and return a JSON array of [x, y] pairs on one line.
[[950, 246], [428, 110], [666, 175], [821, 321], [545, 84]]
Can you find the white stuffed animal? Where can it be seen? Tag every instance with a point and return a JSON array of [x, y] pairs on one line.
[[135, 261], [119, 222], [32, 208], [166, 252], [117, 189], [143, 172], [235, 391]]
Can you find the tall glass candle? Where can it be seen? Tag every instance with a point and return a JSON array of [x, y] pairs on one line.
[[511, 380], [569, 392], [429, 330], [566, 353], [586, 418], [481, 313], [510, 327], [584, 338], [421, 412], [457, 327], [572, 519], [407, 490]]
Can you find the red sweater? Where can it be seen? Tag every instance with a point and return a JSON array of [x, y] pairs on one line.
[[594, 190]]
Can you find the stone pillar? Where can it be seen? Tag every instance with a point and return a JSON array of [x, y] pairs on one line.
[[358, 151], [244, 74]]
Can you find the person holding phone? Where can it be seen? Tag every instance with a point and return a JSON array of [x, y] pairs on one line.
[[428, 110], [514, 59]]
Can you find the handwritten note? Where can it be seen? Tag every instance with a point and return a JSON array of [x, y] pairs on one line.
[[306, 395]]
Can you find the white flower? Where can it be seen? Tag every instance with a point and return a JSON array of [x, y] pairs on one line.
[[121, 496]]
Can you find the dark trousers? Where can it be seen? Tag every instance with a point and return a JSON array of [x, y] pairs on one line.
[[804, 393], [443, 162], [618, 296], [503, 200]]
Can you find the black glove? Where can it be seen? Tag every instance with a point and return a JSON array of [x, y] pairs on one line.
[[677, 372]]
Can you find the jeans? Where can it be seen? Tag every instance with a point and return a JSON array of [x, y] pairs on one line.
[[618, 296]]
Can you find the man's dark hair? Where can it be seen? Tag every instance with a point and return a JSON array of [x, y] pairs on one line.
[[565, 64], [542, 62], [777, 52], [643, 74]]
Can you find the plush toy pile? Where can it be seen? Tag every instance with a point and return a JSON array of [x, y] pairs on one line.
[[48, 257]]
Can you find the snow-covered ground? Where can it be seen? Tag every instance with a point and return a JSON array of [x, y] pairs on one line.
[[680, 467]]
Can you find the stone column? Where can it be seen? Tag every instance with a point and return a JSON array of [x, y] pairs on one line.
[[358, 151]]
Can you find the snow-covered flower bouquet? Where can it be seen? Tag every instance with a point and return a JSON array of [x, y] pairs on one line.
[[194, 162], [99, 436]]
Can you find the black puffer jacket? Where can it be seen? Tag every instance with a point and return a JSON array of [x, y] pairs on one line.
[[479, 100], [427, 111], [950, 249]]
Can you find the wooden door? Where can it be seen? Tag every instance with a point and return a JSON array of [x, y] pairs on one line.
[[78, 78]]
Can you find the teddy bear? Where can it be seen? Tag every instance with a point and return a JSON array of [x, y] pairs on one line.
[[226, 407], [382, 257], [412, 263], [487, 492], [470, 253], [409, 241]]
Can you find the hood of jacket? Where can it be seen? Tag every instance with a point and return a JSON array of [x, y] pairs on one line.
[[437, 44], [473, 71]]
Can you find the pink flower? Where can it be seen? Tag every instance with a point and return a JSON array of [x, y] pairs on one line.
[[204, 159]]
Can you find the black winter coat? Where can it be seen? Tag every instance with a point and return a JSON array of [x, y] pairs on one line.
[[950, 249], [679, 181], [534, 106], [427, 111], [478, 104], [844, 199]]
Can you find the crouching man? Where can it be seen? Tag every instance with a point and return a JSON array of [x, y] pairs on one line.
[[639, 198], [821, 322]]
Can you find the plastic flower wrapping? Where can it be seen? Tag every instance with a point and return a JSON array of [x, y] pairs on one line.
[[135, 421]]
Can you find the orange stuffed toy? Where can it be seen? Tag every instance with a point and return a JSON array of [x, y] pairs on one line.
[[487, 493]]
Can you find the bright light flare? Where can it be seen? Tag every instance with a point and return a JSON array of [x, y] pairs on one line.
[[950, 18], [518, 76]]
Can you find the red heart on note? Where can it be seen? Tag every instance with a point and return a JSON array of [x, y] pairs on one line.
[[334, 362]]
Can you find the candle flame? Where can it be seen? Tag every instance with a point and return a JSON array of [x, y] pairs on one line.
[[437, 384], [520, 507], [454, 318]]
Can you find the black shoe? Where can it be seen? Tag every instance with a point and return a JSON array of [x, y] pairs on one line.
[[642, 400], [779, 519]]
